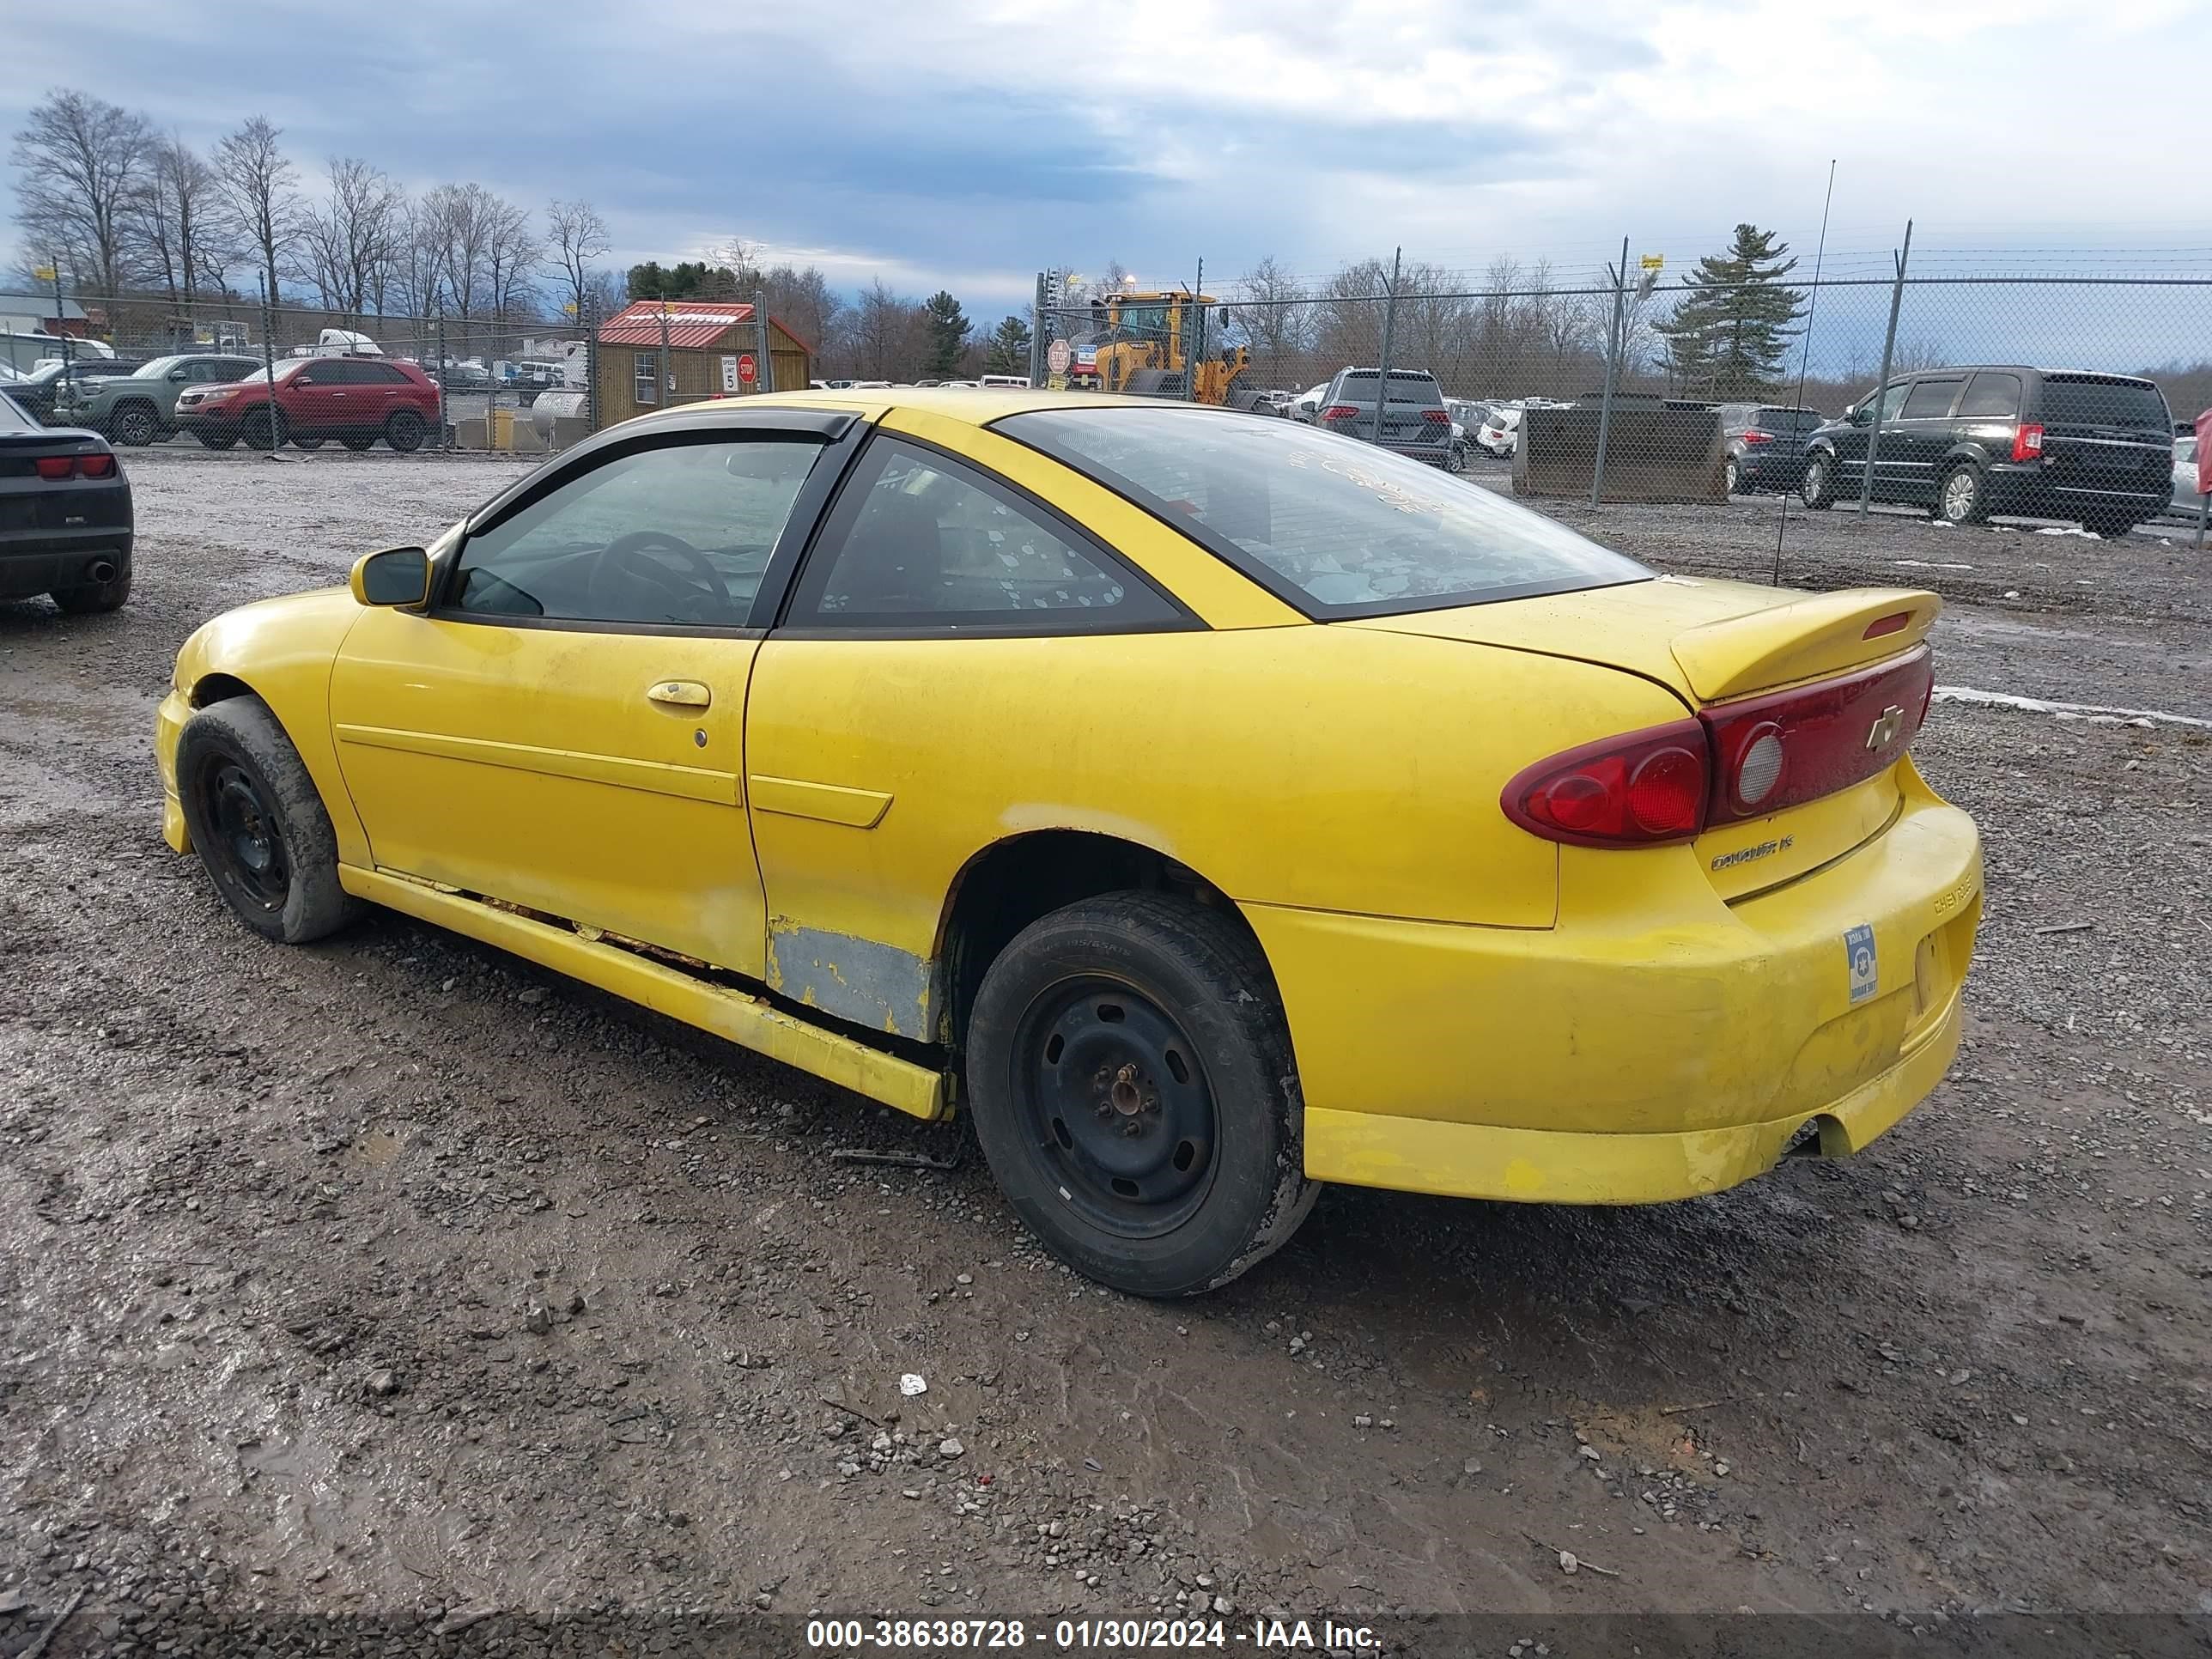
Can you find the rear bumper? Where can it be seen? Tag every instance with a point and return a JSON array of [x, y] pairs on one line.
[[1657, 1043], [1759, 470], [2031, 492], [40, 561]]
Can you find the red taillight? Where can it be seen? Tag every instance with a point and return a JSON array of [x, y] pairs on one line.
[[1440, 416], [2027, 441], [1339, 412], [1895, 622], [55, 467], [99, 467], [1788, 747], [1639, 790], [1755, 436]]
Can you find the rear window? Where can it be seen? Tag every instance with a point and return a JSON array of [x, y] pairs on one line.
[[1359, 385], [12, 417], [1336, 528], [1789, 420], [1991, 394], [2131, 404]]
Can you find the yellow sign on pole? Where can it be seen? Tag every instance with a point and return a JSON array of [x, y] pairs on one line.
[[1654, 261], [43, 273]]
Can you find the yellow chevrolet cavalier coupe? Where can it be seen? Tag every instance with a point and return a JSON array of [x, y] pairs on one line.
[[1212, 806]]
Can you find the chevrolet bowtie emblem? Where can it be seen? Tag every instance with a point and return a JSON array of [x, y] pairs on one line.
[[1883, 732]]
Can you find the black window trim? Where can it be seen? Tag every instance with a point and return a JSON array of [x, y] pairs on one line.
[[1936, 377], [1263, 575], [839, 434], [1183, 621]]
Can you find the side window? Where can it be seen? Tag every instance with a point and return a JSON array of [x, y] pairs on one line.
[[376, 373], [1990, 395], [678, 533], [1931, 399], [920, 541], [646, 374], [1892, 399]]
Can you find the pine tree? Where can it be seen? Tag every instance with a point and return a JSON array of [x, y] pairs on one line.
[[1731, 329], [1010, 347], [948, 332]]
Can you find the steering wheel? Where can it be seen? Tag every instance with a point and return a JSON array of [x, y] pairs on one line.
[[702, 599]]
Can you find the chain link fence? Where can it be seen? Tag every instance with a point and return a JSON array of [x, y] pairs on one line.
[[2069, 399], [433, 382]]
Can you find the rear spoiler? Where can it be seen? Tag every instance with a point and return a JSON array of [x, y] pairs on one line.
[[1807, 639]]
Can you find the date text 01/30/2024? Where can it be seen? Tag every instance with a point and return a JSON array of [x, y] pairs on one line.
[[1091, 1635]]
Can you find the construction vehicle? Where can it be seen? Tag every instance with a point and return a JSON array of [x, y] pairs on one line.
[[1145, 343]]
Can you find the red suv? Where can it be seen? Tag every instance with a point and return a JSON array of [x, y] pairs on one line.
[[355, 400]]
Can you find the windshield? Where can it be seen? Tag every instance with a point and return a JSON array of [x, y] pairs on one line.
[[2105, 403], [157, 369], [1359, 385], [1336, 527]]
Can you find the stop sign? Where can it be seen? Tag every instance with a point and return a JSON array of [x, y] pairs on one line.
[[748, 371]]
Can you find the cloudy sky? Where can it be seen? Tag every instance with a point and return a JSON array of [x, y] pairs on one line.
[[965, 145]]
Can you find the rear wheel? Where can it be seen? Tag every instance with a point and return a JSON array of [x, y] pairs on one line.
[[263, 429], [258, 824], [1963, 497], [2112, 524], [1134, 1092], [405, 431], [136, 424], [87, 598], [1818, 488], [1733, 476]]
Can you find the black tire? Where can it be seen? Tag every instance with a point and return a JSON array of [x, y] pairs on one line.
[[88, 597], [1962, 496], [259, 825], [1456, 461], [405, 431], [135, 424], [298, 442], [1731, 477], [1817, 489], [356, 442], [2112, 526], [1142, 1019], [217, 440], [263, 429]]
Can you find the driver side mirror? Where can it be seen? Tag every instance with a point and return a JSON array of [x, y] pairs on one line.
[[179, 374], [397, 575]]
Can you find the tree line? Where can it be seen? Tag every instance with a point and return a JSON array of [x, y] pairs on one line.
[[126, 211]]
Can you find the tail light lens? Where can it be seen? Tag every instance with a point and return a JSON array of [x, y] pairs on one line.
[[1440, 416], [98, 466], [2027, 441], [1339, 412], [55, 467], [1755, 436], [1786, 748], [1641, 790]]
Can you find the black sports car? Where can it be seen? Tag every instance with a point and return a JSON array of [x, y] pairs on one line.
[[65, 520]]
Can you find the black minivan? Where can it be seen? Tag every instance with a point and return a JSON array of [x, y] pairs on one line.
[[2042, 443]]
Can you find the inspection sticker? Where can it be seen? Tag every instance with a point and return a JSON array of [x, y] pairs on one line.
[[1858, 953]]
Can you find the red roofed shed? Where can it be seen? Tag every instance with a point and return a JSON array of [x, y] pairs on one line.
[[709, 346]]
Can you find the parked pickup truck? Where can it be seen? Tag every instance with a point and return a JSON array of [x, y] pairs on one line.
[[141, 407]]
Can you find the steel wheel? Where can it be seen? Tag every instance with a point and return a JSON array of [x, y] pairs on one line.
[[247, 839], [1115, 1098], [1734, 480], [1961, 499], [134, 425]]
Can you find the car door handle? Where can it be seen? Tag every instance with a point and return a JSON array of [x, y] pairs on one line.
[[680, 694]]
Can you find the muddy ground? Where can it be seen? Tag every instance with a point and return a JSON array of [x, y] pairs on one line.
[[393, 1275]]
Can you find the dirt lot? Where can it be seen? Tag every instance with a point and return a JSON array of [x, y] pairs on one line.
[[391, 1275]]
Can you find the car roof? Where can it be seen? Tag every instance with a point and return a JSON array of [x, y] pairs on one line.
[[971, 405]]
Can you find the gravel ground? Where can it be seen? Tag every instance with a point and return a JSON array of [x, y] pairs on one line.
[[391, 1277]]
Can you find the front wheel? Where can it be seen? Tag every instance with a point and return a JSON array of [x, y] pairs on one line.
[[263, 429], [405, 431], [258, 822], [1732, 479], [1817, 490], [135, 425], [1135, 1095]]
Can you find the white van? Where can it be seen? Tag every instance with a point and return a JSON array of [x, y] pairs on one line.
[[23, 352], [1022, 380]]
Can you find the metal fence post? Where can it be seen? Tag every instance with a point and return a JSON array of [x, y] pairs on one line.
[[1194, 338], [61, 323], [1881, 386], [445, 418], [269, 358], [1615, 346], [1383, 368], [766, 374], [1038, 334]]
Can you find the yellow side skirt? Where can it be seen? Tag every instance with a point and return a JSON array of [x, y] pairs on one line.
[[1542, 1166], [750, 1021]]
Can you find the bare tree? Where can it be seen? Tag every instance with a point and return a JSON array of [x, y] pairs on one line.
[[455, 223], [579, 236], [889, 334], [1273, 307], [177, 224], [260, 187], [352, 237], [804, 301], [513, 254], [80, 159]]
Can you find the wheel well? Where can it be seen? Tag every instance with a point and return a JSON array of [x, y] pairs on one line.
[[1013, 883], [218, 688]]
